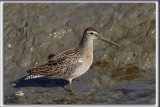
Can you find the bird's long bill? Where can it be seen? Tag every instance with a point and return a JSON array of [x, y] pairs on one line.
[[106, 40]]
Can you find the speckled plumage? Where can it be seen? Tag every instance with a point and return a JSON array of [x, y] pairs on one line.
[[60, 66]]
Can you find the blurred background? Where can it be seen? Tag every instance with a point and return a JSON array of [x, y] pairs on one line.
[[35, 32]]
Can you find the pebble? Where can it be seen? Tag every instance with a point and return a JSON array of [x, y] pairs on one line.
[[19, 93]]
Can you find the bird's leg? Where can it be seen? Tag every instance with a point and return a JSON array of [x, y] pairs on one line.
[[70, 86]]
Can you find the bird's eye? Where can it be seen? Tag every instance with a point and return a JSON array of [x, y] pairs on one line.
[[92, 33]]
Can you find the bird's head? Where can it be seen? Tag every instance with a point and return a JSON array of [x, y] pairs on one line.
[[91, 33]]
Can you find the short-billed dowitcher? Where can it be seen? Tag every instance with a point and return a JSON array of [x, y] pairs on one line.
[[71, 63]]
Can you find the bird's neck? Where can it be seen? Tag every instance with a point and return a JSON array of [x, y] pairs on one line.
[[87, 45]]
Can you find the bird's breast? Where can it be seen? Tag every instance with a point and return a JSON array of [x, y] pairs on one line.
[[86, 62]]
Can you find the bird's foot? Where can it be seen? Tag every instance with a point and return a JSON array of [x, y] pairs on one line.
[[71, 91]]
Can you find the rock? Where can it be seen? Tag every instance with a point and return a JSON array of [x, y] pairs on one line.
[[33, 33]]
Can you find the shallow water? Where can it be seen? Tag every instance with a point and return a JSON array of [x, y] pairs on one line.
[[35, 32]]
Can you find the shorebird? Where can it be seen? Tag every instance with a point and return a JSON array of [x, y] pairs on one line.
[[71, 63]]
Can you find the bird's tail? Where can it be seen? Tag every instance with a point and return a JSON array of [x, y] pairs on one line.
[[32, 76]]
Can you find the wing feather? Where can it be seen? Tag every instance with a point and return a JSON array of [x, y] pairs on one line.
[[61, 65]]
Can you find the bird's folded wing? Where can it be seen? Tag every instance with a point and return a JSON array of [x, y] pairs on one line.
[[61, 65]]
